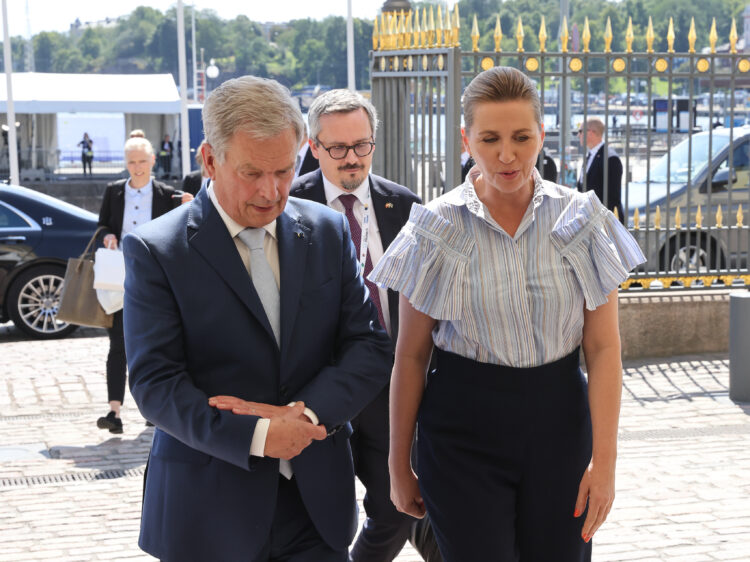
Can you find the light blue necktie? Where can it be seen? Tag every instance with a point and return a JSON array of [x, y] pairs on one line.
[[263, 278]]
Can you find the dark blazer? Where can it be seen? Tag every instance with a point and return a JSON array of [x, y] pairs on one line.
[[192, 182], [392, 205], [195, 328], [309, 163], [113, 205], [595, 180]]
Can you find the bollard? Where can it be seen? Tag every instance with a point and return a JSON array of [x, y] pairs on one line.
[[739, 350]]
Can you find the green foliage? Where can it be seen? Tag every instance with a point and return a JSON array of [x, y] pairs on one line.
[[309, 51]]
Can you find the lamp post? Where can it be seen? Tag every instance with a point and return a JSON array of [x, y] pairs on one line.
[[212, 71]]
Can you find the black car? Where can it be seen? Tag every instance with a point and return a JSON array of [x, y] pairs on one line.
[[38, 234]]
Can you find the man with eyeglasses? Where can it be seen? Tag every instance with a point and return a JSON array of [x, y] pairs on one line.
[[342, 137]]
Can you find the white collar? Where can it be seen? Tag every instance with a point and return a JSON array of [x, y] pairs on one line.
[[233, 226], [145, 190], [333, 192]]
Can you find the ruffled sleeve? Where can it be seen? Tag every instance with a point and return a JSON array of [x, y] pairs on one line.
[[599, 249], [428, 263]]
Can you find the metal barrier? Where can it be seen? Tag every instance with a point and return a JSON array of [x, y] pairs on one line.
[[686, 184]]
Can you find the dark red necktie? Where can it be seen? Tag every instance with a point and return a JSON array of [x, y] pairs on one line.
[[348, 202]]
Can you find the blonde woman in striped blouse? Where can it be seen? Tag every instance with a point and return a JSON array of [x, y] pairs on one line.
[[506, 276]]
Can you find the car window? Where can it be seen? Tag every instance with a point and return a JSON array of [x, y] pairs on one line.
[[11, 219], [740, 164]]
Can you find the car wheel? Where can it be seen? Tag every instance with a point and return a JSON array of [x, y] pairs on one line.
[[690, 254], [33, 300]]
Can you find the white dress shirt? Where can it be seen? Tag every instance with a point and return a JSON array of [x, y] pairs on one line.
[[374, 243], [137, 210]]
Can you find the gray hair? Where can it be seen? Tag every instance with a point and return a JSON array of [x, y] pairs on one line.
[[500, 83], [259, 107], [339, 101], [138, 143]]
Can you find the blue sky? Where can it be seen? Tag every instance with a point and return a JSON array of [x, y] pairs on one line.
[[57, 15]]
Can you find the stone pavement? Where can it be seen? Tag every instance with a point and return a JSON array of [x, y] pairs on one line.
[[69, 491]]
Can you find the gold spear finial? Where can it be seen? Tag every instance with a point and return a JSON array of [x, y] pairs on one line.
[[650, 36], [698, 218], [636, 220], [586, 36], [677, 218], [423, 32], [542, 36], [657, 218], [498, 35], [439, 27], [629, 36], [670, 36], [431, 31], [740, 216], [447, 29], [564, 36], [416, 30], [733, 38], [519, 35], [713, 36], [692, 36], [456, 27], [375, 35], [402, 38], [408, 43], [719, 217], [475, 35], [608, 36]]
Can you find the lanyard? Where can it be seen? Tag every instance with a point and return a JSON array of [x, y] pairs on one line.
[[365, 233]]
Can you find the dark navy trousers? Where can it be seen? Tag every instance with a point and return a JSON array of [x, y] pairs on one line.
[[501, 453]]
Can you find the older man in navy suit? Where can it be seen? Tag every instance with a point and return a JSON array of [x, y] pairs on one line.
[[251, 344]]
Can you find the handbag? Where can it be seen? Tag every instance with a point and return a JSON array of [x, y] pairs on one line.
[[78, 302]]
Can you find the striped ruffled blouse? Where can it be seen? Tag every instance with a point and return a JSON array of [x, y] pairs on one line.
[[505, 300]]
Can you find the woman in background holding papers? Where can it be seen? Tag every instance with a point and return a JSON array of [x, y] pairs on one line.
[[126, 205], [507, 276]]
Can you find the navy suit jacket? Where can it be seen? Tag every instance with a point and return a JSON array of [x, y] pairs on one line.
[[390, 201], [195, 327]]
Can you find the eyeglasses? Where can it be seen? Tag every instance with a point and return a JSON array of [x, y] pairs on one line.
[[340, 151]]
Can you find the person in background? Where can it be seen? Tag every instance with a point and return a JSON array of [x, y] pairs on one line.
[[127, 204], [166, 148], [506, 276], [591, 177], [137, 133], [342, 139], [306, 161], [194, 180], [251, 343], [87, 153]]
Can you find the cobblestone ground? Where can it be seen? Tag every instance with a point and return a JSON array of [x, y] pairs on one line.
[[69, 491]]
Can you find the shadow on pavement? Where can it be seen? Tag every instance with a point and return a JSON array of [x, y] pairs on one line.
[[9, 333], [115, 452]]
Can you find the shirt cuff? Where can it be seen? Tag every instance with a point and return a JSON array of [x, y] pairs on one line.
[[309, 413], [258, 444]]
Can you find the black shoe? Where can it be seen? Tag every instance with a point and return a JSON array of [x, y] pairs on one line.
[[111, 422]]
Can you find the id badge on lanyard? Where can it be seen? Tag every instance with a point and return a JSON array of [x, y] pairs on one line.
[[365, 234]]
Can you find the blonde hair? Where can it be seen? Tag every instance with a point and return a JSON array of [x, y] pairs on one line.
[[500, 83], [137, 133], [138, 143], [259, 107]]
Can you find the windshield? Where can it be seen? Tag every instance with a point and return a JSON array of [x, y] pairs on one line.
[[679, 159]]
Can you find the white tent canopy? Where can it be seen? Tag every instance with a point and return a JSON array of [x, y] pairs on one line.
[[37, 92]]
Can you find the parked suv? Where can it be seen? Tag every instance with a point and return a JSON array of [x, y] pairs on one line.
[[38, 234], [713, 184]]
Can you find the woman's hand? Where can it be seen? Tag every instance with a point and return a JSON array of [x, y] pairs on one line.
[[186, 198], [405, 493], [110, 241], [598, 488]]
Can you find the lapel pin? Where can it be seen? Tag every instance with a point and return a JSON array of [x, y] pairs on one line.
[[389, 205], [300, 235]]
